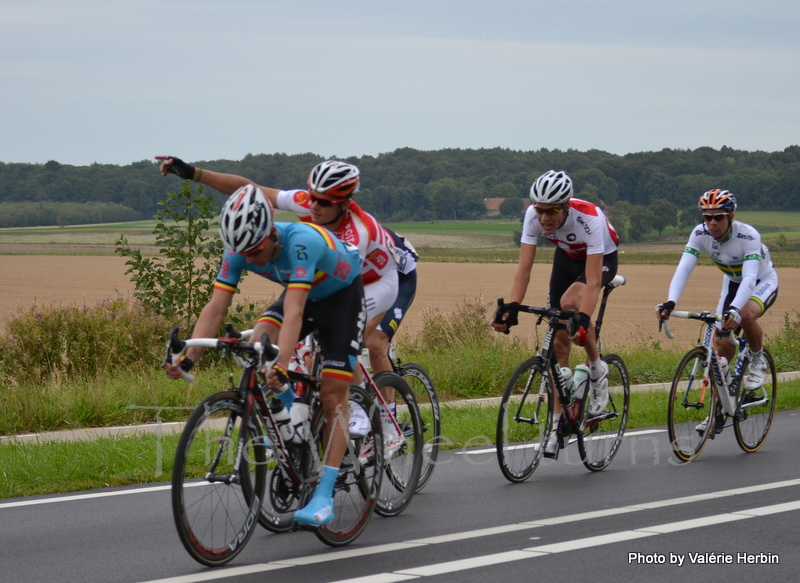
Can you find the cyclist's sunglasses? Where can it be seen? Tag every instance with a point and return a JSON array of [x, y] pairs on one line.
[[718, 217], [256, 250], [324, 202], [551, 211]]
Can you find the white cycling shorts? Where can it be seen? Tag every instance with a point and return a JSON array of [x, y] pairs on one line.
[[381, 294]]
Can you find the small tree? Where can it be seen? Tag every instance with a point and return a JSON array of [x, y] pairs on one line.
[[665, 213], [512, 208], [176, 284], [640, 221]]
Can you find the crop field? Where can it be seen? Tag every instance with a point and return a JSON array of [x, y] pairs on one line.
[[89, 279], [462, 261]]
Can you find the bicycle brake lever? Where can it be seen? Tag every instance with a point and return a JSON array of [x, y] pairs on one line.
[[173, 349]]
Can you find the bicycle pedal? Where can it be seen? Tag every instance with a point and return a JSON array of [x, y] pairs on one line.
[[304, 527]]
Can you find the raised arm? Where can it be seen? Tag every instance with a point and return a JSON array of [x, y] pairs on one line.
[[224, 183]]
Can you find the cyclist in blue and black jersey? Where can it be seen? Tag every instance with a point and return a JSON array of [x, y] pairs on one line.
[[323, 292]]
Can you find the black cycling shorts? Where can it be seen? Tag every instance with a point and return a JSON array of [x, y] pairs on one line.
[[567, 271], [340, 321], [406, 290]]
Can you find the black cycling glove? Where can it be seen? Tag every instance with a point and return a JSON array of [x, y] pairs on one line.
[[584, 323], [512, 311], [181, 169]]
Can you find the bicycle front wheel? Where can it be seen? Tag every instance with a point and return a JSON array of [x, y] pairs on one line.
[[756, 409], [218, 479], [359, 480], [692, 405], [525, 420], [430, 412], [601, 435], [402, 452]]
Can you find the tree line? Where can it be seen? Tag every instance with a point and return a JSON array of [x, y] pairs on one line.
[[410, 184]]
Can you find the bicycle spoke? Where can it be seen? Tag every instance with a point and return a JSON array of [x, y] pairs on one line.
[[756, 410], [524, 421], [692, 406], [215, 515], [601, 436]]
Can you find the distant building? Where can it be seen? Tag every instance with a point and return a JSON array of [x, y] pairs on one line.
[[492, 206]]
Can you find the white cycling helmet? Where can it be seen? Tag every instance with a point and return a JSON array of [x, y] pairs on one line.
[[552, 187], [245, 220], [332, 179]]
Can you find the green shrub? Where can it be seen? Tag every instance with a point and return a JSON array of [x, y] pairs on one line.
[[61, 342], [785, 347], [462, 353]]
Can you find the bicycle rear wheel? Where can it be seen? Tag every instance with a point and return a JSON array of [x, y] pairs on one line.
[[692, 405], [756, 409], [431, 415], [216, 514], [360, 474], [402, 455], [525, 420], [601, 435]]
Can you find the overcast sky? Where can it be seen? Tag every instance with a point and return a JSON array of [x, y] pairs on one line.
[[117, 81]]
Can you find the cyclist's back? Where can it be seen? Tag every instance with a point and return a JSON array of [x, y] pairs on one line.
[[358, 228], [309, 257]]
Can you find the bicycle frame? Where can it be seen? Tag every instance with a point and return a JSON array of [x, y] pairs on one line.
[[726, 392], [250, 356]]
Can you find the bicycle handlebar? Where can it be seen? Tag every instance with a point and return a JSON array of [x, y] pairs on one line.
[[571, 315], [706, 317], [266, 352]]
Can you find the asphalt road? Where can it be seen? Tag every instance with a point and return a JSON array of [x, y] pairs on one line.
[[645, 518]]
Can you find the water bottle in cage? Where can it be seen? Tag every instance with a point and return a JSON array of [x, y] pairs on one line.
[[282, 419], [579, 381]]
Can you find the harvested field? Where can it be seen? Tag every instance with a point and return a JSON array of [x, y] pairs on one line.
[[50, 279]]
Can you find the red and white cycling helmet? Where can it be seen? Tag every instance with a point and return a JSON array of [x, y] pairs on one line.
[[717, 199], [552, 187], [246, 220], [335, 180]]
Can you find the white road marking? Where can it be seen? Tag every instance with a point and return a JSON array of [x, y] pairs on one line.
[[572, 440], [516, 555]]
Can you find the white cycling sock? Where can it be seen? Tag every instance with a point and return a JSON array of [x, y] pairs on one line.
[[596, 369]]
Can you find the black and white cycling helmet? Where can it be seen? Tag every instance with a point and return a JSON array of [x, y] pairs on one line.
[[334, 180], [246, 220], [552, 187]]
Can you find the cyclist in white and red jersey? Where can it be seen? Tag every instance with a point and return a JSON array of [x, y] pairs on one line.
[[328, 202], [585, 259], [749, 283]]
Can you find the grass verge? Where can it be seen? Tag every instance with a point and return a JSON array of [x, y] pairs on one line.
[[46, 468]]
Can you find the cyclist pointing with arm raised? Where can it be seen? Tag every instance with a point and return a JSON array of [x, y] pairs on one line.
[[323, 291], [749, 283], [585, 259], [327, 202]]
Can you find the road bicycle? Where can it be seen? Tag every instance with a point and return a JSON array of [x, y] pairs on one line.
[[702, 399], [430, 412], [525, 419], [402, 455], [232, 451]]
